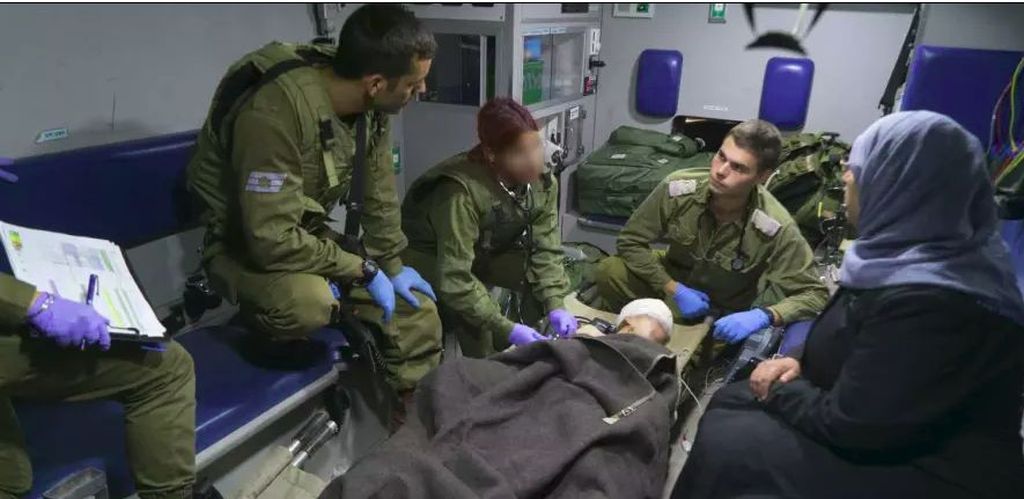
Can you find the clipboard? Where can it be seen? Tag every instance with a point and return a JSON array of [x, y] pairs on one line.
[[119, 333], [61, 264]]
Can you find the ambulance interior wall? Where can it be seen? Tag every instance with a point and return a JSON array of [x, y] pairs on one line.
[[976, 26], [110, 73], [853, 48], [67, 65]]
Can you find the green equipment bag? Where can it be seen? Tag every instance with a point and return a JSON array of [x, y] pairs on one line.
[[616, 178], [808, 181], [679, 146]]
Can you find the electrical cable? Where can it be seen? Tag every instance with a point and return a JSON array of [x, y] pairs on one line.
[[1012, 166], [1013, 104], [995, 122], [696, 399]]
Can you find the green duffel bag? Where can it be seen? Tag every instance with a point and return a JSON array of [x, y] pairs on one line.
[[808, 180], [615, 179], [679, 146]]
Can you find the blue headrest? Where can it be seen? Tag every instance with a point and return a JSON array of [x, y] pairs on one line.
[[963, 84], [786, 92], [129, 192], [659, 74]]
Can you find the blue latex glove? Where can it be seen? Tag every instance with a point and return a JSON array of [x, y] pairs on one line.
[[523, 335], [68, 323], [408, 280], [563, 322], [735, 328], [691, 303], [383, 294]]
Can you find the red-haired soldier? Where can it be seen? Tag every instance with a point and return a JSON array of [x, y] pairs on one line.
[[489, 217]]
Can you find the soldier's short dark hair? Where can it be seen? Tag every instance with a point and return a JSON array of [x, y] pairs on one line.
[[382, 39], [760, 138]]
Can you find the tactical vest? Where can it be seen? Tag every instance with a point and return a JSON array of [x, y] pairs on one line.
[[503, 226], [326, 165]]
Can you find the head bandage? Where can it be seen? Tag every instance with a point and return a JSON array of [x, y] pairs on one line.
[[655, 309]]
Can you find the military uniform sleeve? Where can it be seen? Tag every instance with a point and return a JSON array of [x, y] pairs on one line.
[[791, 269], [382, 220], [15, 298], [647, 224], [268, 166], [457, 226], [546, 272]]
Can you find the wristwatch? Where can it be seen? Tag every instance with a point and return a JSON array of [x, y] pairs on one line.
[[370, 270]]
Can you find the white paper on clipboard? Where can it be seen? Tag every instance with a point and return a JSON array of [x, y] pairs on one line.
[[61, 264]]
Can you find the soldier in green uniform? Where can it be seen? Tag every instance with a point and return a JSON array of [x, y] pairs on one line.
[[489, 217], [275, 156], [725, 233], [69, 357]]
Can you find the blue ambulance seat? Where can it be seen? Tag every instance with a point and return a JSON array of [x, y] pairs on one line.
[[963, 84], [786, 92], [129, 193], [658, 77], [132, 193], [232, 392], [794, 335]]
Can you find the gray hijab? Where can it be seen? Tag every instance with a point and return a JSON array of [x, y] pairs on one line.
[[927, 215]]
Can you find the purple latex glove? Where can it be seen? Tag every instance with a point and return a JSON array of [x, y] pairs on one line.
[[523, 335], [68, 323], [562, 322]]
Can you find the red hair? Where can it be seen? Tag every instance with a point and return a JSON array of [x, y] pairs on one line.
[[501, 122]]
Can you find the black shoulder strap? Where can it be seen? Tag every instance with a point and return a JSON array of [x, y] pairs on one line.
[[899, 71], [241, 85], [357, 187]]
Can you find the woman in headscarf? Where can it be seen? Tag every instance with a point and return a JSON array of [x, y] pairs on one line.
[[910, 381]]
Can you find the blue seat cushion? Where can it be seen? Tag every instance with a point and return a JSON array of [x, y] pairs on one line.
[[794, 335], [129, 192], [961, 83], [233, 387], [786, 92], [658, 77]]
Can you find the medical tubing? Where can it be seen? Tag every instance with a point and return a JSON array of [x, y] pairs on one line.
[[1013, 104]]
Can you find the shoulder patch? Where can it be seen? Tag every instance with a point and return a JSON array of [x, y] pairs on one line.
[[764, 223], [678, 188], [265, 182]]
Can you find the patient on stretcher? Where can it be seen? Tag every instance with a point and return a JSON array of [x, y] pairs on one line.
[[647, 317], [590, 416]]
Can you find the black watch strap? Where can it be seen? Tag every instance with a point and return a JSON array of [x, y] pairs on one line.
[[370, 270]]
